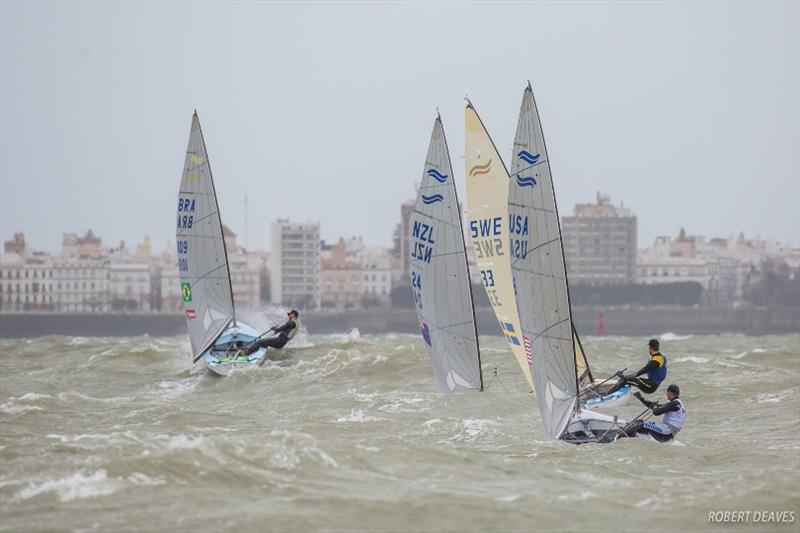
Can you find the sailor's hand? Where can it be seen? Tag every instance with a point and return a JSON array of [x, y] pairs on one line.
[[638, 395]]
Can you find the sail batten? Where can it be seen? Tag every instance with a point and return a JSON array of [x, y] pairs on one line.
[[487, 213], [439, 275], [202, 257]]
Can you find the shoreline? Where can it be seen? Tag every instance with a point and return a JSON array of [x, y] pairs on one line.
[[618, 321]]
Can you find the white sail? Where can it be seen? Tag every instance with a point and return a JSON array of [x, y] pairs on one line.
[[540, 275], [439, 277], [487, 214], [202, 259]]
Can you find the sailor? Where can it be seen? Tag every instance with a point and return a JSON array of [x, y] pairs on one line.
[[674, 412], [286, 332], [656, 370]]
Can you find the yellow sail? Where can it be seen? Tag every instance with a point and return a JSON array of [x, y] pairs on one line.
[[487, 215]]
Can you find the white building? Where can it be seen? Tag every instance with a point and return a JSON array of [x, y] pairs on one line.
[[376, 264], [81, 285], [129, 286], [246, 269], [295, 263], [26, 282]]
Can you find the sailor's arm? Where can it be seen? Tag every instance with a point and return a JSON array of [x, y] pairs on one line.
[[286, 327], [673, 405]]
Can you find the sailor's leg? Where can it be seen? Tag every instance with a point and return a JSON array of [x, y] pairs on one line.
[[621, 383], [657, 430], [644, 385]]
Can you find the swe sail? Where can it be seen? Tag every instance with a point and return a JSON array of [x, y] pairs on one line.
[[487, 215], [439, 276]]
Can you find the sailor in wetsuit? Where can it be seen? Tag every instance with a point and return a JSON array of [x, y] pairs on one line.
[[674, 412], [286, 332], [656, 370]]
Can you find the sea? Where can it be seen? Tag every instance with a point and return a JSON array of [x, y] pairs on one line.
[[348, 433]]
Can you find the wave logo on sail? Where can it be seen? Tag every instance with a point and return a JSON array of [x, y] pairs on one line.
[[428, 200], [526, 182], [528, 157], [435, 174], [477, 170]]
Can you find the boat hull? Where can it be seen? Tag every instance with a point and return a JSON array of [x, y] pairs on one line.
[[224, 356], [595, 396], [589, 426]]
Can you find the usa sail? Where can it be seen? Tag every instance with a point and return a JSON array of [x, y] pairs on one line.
[[439, 277], [202, 258], [560, 370], [487, 215]]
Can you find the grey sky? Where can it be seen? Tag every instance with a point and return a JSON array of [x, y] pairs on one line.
[[687, 112]]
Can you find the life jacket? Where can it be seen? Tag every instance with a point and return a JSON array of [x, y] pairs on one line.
[[294, 331], [659, 374], [675, 419]]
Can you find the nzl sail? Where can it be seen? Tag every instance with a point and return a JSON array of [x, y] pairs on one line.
[[439, 277], [540, 275], [202, 258], [487, 213]]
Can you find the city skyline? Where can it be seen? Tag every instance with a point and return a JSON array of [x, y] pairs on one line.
[[305, 117]]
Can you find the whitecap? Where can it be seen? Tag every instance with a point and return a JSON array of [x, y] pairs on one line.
[[74, 487], [669, 336], [357, 415]]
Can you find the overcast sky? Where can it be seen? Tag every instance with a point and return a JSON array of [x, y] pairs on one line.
[[689, 113]]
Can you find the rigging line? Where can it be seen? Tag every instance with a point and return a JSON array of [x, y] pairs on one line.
[[532, 207], [523, 169], [205, 276], [205, 217], [195, 193]]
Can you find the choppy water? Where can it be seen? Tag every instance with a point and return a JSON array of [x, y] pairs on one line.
[[347, 433]]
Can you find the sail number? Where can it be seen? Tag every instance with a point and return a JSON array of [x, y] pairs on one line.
[[183, 247], [416, 287], [423, 245], [186, 205], [183, 264], [488, 278]]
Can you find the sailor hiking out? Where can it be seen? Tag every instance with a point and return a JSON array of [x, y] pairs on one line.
[[285, 333], [674, 412], [656, 370]]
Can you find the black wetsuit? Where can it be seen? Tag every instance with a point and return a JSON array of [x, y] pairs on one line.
[[656, 370], [659, 431], [275, 342]]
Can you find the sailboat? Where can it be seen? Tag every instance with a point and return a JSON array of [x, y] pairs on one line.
[[217, 337], [487, 215], [439, 277], [564, 384]]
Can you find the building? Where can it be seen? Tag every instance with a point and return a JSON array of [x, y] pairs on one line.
[[81, 285], [16, 245], [341, 278], [406, 209], [26, 282], [600, 243], [376, 264], [129, 286], [295, 263]]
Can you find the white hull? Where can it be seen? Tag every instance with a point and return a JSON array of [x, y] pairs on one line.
[[590, 426]]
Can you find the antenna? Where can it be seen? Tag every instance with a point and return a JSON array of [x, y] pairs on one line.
[[246, 244]]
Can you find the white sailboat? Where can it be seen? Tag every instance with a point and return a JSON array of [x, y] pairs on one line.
[[439, 276], [216, 336], [487, 214], [561, 373]]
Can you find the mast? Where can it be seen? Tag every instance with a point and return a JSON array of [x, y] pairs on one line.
[[219, 217], [466, 262]]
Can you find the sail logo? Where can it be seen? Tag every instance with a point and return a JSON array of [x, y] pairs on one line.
[[528, 157], [527, 343], [197, 159], [435, 174], [194, 176], [477, 170], [426, 332], [191, 314], [511, 335], [526, 182], [186, 291], [428, 200]]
